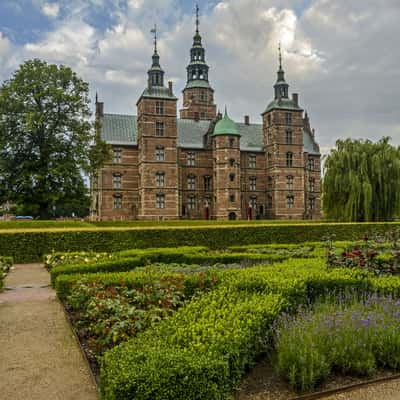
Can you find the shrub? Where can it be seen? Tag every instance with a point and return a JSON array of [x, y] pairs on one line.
[[217, 336], [5, 265], [30, 246], [106, 315], [354, 339], [144, 257], [199, 353]]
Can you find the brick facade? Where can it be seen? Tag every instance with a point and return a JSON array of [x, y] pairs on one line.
[[169, 168]]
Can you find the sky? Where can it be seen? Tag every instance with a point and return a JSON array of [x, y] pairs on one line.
[[341, 56]]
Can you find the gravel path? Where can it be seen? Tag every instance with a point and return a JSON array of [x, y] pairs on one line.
[[39, 357]]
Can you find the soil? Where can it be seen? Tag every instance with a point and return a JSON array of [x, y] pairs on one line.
[[262, 383], [40, 358]]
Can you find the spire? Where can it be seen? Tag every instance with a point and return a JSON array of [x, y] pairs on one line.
[[197, 19], [281, 87], [155, 73], [197, 70]]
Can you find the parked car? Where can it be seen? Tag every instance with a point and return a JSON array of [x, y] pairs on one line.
[[23, 217]]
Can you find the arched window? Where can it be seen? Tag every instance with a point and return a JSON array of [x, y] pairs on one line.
[[231, 162], [289, 159], [117, 201], [232, 177]]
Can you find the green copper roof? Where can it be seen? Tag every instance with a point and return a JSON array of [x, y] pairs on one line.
[[122, 130], [284, 104], [159, 92], [226, 126], [198, 83], [119, 129]]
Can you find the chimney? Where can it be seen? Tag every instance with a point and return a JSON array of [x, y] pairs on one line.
[[170, 88], [247, 120], [295, 98]]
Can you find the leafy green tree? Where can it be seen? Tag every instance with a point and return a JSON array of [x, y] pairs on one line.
[[362, 181], [46, 138]]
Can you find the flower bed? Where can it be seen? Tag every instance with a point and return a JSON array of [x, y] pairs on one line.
[[355, 339]]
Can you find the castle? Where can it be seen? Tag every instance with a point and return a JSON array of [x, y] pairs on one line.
[[203, 165]]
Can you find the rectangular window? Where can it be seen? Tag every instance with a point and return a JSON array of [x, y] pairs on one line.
[[117, 202], [289, 137], [117, 181], [289, 182], [288, 118], [159, 108], [270, 183], [207, 183], [311, 164], [269, 202], [191, 159], [253, 203], [312, 203], [160, 154], [191, 182], [253, 184], [289, 201], [159, 128], [160, 201], [289, 159], [192, 203], [117, 156], [252, 161], [160, 179], [311, 185], [232, 198]]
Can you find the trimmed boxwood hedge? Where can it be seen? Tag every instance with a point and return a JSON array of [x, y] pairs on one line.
[[202, 351], [167, 257], [30, 246]]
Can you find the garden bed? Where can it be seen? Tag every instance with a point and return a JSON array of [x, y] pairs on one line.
[[263, 383]]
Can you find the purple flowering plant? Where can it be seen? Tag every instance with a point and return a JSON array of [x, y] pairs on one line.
[[345, 336]]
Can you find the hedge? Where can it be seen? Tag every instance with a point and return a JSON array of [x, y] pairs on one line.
[[31, 246], [130, 263], [202, 351]]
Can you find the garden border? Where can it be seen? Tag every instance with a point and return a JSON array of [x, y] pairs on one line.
[[346, 388]]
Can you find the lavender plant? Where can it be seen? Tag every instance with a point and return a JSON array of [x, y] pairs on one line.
[[351, 338]]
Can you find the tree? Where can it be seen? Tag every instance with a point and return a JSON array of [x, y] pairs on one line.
[[362, 181], [46, 138]]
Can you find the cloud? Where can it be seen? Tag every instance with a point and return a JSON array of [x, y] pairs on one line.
[[51, 9], [340, 56]]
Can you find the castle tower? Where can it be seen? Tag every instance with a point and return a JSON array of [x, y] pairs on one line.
[[157, 143], [226, 155], [198, 96], [283, 141]]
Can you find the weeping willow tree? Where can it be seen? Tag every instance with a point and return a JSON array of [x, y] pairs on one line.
[[362, 181]]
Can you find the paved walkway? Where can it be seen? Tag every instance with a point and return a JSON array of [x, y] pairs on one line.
[[39, 357]]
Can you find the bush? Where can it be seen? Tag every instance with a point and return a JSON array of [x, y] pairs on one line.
[[355, 339], [184, 255], [30, 246], [5, 265], [215, 338], [199, 353], [105, 315]]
